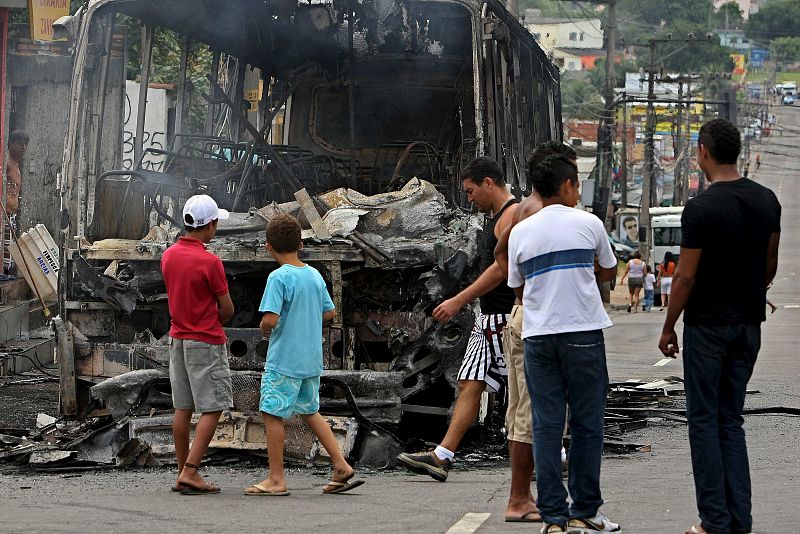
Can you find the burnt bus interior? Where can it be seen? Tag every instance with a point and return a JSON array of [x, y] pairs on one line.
[[372, 107]]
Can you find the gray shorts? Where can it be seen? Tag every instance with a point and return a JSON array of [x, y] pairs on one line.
[[199, 375]]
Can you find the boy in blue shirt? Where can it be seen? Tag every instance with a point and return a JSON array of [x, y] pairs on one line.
[[295, 302]]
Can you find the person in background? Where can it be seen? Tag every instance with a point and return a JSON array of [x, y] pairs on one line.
[[17, 146], [649, 289], [665, 272], [634, 271]]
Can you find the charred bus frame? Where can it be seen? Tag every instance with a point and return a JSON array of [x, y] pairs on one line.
[[374, 94]]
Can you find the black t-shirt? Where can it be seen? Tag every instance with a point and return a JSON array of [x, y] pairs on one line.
[[501, 298], [732, 223]]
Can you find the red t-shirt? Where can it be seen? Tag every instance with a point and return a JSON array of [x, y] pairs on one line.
[[194, 278]]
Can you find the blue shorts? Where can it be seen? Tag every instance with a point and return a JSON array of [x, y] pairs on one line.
[[284, 396]]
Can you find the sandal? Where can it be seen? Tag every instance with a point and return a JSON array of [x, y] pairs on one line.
[[336, 486], [207, 488]]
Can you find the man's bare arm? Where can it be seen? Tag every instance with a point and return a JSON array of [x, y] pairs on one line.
[[682, 284], [772, 257], [488, 280], [225, 307], [501, 250], [328, 315]]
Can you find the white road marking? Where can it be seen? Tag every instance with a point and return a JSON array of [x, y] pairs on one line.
[[469, 523], [664, 361], [792, 306]]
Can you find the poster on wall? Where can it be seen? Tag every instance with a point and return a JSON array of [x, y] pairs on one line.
[[155, 126], [629, 230], [43, 13]]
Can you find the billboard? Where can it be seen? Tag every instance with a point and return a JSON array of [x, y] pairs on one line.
[[43, 13], [738, 63]]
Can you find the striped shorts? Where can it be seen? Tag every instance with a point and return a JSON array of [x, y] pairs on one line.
[[484, 358]]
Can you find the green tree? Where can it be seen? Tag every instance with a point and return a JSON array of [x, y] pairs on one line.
[[579, 98], [786, 48], [729, 16], [776, 18]]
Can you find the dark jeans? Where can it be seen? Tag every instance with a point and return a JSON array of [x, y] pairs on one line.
[[563, 369], [717, 364]]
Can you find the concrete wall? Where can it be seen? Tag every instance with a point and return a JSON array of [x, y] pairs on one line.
[[39, 87]]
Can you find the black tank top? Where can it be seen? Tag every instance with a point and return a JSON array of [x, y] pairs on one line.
[[500, 299]]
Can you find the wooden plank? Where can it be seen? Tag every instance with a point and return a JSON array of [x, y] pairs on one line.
[[228, 253], [311, 213]]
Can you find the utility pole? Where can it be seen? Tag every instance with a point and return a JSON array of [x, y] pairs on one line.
[[607, 148], [623, 166], [649, 158], [649, 193], [605, 136], [689, 149], [677, 189]]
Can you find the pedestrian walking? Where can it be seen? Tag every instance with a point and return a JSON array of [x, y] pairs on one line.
[[295, 304], [649, 289], [634, 272], [552, 268], [17, 146], [521, 507], [722, 328], [484, 365], [199, 304], [665, 272]]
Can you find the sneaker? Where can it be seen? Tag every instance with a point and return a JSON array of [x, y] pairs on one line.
[[552, 528], [426, 463], [629, 309], [598, 523]]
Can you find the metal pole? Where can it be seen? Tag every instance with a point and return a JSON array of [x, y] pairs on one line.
[[649, 159], [624, 159], [209, 130], [608, 149], [147, 56], [679, 155], [687, 160], [180, 105]]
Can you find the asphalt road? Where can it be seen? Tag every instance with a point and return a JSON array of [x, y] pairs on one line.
[[646, 492]]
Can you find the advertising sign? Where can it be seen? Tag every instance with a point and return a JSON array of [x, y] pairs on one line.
[[43, 13]]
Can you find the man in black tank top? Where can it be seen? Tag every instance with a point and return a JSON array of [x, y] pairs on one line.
[[484, 366]]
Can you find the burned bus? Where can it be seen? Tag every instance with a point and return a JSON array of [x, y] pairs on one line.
[[354, 115]]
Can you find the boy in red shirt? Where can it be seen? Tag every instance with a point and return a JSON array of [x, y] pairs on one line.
[[199, 304]]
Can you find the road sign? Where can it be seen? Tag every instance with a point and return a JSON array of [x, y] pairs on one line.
[[43, 13]]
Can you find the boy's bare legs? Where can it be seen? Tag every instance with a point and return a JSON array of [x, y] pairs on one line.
[[276, 435], [319, 426], [203, 433], [181, 424]]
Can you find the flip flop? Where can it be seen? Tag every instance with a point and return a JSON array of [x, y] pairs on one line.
[[206, 489], [264, 492], [179, 488], [341, 487], [527, 517]]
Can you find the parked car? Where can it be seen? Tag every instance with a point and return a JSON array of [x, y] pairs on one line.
[[788, 100], [623, 252]]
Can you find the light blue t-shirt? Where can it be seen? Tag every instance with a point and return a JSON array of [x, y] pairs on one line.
[[299, 296]]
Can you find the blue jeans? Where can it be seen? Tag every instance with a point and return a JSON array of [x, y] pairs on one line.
[[649, 295], [561, 369], [718, 362]]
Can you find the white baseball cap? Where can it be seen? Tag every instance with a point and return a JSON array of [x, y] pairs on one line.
[[201, 210]]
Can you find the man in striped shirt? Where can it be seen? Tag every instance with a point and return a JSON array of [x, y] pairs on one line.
[[554, 259]]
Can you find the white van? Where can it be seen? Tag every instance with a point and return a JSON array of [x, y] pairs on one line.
[[666, 237], [789, 88]]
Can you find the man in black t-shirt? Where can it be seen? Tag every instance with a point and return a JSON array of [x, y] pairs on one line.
[[736, 222]]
